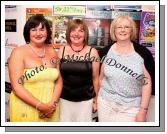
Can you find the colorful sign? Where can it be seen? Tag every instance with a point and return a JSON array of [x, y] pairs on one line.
[[147, 31], [69, 10], [47, 12], [147, 27]]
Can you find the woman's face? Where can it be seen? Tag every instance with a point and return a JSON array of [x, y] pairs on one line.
[[38, 34], [123, 30], [77, 35]]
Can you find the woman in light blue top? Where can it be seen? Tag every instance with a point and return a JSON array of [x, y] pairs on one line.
[[125, 84]]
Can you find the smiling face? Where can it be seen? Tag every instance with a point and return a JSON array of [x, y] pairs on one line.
[[123, 30], [77, 32], [77, 35], [38, 34]]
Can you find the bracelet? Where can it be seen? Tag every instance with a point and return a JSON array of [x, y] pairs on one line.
[[144, 108], [37, 105]]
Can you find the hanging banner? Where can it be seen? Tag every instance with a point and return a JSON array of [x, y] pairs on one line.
[[69, 10]]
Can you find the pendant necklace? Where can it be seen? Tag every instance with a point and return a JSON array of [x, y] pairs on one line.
[[78, 51], [41, 56]]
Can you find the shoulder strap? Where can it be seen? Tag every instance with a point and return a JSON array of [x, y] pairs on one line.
[[90, 51], [63, 52]]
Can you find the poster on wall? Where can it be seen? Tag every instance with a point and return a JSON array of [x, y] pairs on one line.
[[98, 20], [147, 27], [61, 16], [147, 30], [60, 37], [47, 12], [99, 32], [60, 25]]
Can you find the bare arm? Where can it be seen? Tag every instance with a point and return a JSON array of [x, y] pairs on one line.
[[95, 72], [16, 69], [101, 74], [56, 93], [146, 95], [146, 90], [58, 88]]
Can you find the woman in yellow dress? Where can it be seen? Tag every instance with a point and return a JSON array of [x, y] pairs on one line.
[[36, 81]]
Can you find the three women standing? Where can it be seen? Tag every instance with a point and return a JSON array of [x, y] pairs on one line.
[[125, 83]]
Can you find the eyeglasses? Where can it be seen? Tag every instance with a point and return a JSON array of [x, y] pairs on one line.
[[125, 27]]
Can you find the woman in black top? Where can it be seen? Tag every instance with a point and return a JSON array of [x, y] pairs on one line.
[[80, 72]]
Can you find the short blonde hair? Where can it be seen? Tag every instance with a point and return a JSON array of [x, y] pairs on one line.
[[74, 24], [117, 20]]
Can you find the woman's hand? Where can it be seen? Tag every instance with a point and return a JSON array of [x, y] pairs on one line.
[[45, 115], [141, 116], [94, 108], [46, 110]]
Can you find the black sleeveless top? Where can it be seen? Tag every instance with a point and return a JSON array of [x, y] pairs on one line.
[[77, 78]]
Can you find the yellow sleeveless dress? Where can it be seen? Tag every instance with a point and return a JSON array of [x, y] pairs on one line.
[[41, 85]]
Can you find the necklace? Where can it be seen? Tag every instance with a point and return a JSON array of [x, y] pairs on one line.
[[39, 55], [77, 51]]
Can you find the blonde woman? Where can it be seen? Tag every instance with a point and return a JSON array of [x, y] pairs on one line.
[[125, 83]]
